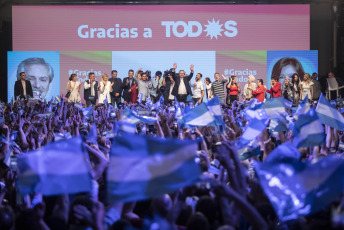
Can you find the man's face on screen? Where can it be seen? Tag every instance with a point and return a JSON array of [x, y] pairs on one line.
[[38, 75]]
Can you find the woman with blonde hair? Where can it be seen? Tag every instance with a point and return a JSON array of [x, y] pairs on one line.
[[307, 87], [73, 87], [105, 88]]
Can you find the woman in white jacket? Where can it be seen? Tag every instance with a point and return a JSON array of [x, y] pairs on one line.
[[105, 88]]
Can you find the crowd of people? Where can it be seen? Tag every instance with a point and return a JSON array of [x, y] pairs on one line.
[[234, 199]]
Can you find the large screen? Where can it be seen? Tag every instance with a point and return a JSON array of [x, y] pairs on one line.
[[239, 40], [161, 28]]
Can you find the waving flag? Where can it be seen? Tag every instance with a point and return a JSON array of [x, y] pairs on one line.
[[303, 107], [78, 105], [308, 131], [329, 115], [273, 107], [131, 118], [248, 150], [288, 104], [143, 167], [199, 116], [106, 100], [297, 188], [139, 99], [253, 129], [57, 168], [214, 107], [87, 111], [159, 103]]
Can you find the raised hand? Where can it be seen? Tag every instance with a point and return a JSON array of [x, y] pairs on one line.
[[174, 65], [192, 67]]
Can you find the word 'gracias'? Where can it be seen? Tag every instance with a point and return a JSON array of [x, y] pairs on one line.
[[177, 29]]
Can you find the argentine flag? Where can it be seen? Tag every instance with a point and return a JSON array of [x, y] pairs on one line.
[[329, 115], [308, 131], [87, 111], [58, 168], [254, 128], [199, 116], [273, 107], [78, 105], [214, 107], [303, 108], [131, 118], [143, 167]]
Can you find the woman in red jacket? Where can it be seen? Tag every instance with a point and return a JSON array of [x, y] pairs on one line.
[[260, 91], [275, 89], [234, 90]]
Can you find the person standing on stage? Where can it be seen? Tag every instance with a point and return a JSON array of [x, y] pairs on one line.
[[275, 90], [307, 87], [249, 87], [296, 88], [155, 87], [91, 87], [198, 90], [218, 87], [181, 87], [143, 84], [22, 87], [234, 91], [73, 87], [259, 92], [128, 82], [116, 89], [209, 91], [287, 89], [105, 89]]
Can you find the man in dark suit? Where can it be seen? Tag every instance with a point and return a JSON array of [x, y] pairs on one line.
[[181, 87], [116, 89], [91, 87], [22, 87], [128, 82]]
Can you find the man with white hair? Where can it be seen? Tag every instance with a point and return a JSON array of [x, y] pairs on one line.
[[249, 87]]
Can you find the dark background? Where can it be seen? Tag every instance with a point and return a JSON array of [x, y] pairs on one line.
[[326, 25]]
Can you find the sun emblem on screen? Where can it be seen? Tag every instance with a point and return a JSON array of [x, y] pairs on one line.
[[214, 29]]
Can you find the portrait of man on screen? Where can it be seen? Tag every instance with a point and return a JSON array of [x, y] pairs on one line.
[[39, 73]]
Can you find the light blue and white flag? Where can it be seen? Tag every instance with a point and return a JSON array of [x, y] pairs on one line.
[[273, 107], [87, 111], [139, 99], [214, 107], [199, 116], [253, 129], [329, 115], [106, 100], [149, 101], [248, 150], [78, 105], [308, 131], [143, 167], [279, 124], [126, 127], [288, 104], [131, 118], [57, 168], [297, 188], [58, 99], [303, 108], [61, 136], [159, 103]]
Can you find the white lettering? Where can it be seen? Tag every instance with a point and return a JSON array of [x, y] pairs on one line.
[[80, 33], [230, 26]]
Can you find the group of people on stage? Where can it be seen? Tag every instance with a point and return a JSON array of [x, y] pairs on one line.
[[179, 85]]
